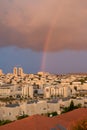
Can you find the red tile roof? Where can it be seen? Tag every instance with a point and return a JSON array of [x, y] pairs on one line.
[[38, 122]]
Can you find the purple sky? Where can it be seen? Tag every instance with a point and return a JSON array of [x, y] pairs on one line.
[[59, 62], [49, 32]]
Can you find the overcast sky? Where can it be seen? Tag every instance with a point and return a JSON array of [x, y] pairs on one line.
[[48, 32]]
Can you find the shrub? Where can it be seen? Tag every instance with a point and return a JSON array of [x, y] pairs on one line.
[[3, 122], [22, 116], [52, 113]]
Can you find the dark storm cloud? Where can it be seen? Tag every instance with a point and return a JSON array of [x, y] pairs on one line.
[[27, 24]]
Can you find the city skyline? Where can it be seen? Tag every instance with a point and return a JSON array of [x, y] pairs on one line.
[[62, 62]]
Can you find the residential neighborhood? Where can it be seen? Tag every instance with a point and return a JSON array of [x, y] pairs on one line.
[[39, 93]]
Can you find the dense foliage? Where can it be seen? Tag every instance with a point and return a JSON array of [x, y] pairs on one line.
[[71, 107], [51, 114], [22, 116], [3, 122]]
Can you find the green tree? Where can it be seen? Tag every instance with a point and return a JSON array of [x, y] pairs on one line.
[[71, 107]]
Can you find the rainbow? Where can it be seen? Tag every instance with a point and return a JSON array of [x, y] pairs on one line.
[[49, 36], [47, 43], [46, 46]]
